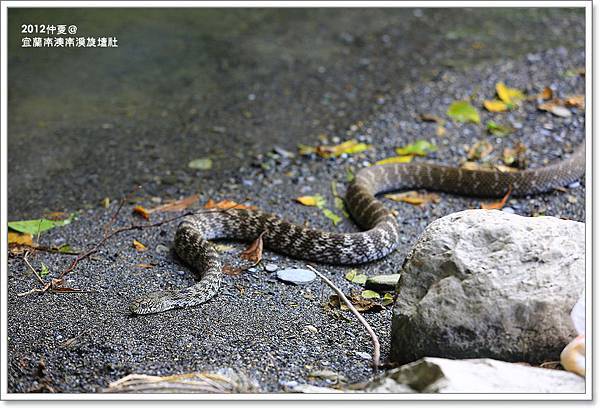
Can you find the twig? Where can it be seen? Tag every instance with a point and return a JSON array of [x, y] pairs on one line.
[[374, 338], [40, 280]]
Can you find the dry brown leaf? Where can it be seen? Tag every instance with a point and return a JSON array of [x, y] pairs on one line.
[[480, 150], [231, 270], [177, 205], [426, 117], [414, 197], [577, 101], [227, 205], [139, 210], [138, 246], [360, 304], [254, 251], [497, 205], [546, 94]]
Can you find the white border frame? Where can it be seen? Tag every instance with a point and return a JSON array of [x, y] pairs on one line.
[[4, 395]]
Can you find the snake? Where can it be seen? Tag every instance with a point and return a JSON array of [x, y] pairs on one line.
[[380, 230]]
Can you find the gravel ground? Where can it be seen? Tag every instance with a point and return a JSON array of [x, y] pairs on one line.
[[258, 324], [86, 124]]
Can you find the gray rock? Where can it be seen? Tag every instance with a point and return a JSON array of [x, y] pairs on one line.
[[296, 276], [382, 282], [483, 283], [439, 375]]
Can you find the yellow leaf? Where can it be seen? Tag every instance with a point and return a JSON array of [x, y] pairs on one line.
[[395, 159], [138, 246], [495, 106], [440, 130], [414, 197], [20, 239], [509, 96], [311, 201], [348, 147]]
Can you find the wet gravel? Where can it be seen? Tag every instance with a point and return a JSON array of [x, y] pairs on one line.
[[258, 324]]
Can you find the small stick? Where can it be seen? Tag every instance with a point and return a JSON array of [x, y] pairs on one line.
[[374, 338], [40, 280]]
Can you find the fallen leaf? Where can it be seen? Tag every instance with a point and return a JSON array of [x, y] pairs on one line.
[[370, 294], [515, 157], [141, 211], [227, 205], [510, 96], [418, 148], [546, 93], [495, 106], [440, 130], [138, 245], [463, 111], [355, 277], [575, 72], [360, 304], [348, 147], [56, 215], [20, 239], [497, 129], [145, 265], [414, 197], [231, 270], [34, 227], [555, 107], [497, 205], [331, 215], [577, 101], [44, 271], [312, 201], [425, 117], [388, 299], [395, 159], [254, 251], [105, 202], [204, 163], [480, 150]]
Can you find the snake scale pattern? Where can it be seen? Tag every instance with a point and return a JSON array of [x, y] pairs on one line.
[[381, 231]]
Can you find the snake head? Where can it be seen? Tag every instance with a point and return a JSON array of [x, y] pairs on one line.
[[155, 302]]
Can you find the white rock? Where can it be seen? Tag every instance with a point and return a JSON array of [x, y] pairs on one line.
[[484, 283], [439, 375]]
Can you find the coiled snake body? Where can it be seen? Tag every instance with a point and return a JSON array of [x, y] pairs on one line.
[[381, 231]]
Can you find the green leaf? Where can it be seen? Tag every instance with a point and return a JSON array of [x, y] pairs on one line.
[[370, 294], [38, 226], [463, 111], [332, 216], [388, 299], [355, 277], [201, 164], [44, 270], [349, 175], [497, 129], [340, 205], [64, 248], [418, 148]]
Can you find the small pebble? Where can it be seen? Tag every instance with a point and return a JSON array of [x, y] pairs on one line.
[[311, 328], [508, 210], [363, 355], [271, 267], [161, 249], [296, 276], [575, 184]]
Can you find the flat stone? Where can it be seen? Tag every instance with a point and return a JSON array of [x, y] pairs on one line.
[[440, 375], [382, 282], [270, 267], [296, 276]]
